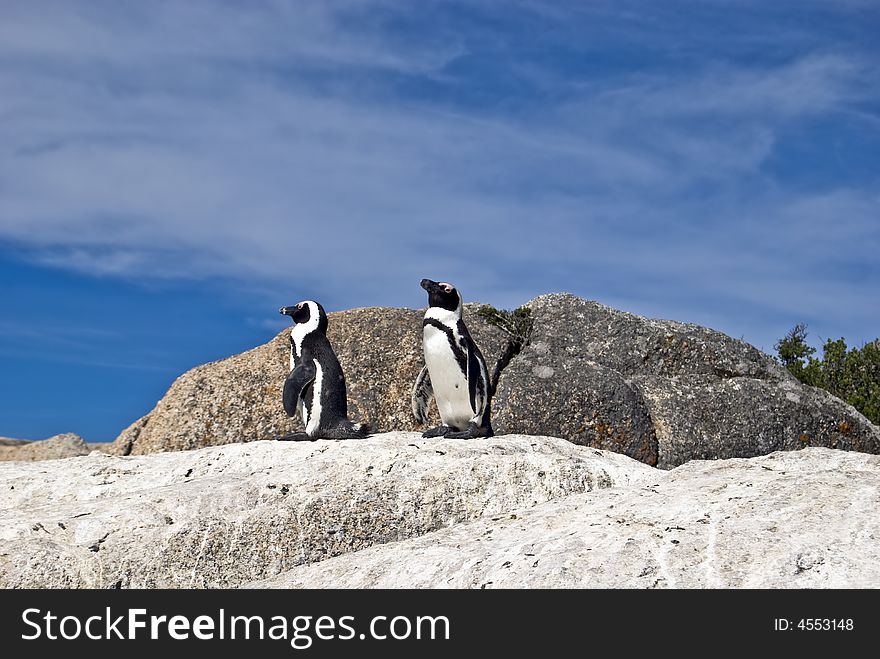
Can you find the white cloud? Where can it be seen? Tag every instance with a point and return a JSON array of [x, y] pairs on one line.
[[811, 85]]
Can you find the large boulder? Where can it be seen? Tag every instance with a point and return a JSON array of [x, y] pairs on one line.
[[239, 398], [66, 445], [590, 404], [800, 519], [226, 515], [232, 400], [697, 418], [662, 391]]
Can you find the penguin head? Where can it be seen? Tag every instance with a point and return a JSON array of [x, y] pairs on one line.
[[308, 313], [442, 295]]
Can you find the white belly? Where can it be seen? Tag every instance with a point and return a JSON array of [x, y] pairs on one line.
[[450, 385], [313, 421]]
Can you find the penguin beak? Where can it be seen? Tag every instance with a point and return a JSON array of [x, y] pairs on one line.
[[287, 311], [428, 285]]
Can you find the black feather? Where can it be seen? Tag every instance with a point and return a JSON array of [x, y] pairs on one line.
[[299, 378]]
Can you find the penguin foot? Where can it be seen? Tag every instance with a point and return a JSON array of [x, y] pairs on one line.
[[295, 437], [439, 431], [471, 432]]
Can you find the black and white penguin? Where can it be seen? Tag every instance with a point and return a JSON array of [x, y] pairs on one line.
[[455, 372], [316, 385]]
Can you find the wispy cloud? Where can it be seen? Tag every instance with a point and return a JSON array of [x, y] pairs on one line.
[[347, 149]]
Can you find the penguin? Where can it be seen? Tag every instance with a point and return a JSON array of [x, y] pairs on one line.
[[315, 387], [455, 372]]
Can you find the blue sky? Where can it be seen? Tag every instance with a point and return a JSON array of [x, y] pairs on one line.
[[171, 173]]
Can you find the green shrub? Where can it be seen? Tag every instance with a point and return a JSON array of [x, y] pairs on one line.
[[517, 323], [851, 374]]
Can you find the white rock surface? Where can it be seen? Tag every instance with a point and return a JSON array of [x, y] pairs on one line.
[[227, 515], [802, 519]]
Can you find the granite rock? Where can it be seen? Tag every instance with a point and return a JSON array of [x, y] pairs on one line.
[[60, 446], [797, 519], [227, 515]]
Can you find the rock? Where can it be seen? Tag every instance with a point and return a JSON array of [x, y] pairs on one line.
[[800, 519], [227, 515], [239, 398], [567, 327], [661, 391], [228, 401], [594, 406], [60, 446], [744, 417]]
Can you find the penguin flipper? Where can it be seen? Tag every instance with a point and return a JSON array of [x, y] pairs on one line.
[[299, 379], [473, 374], [422, 393]]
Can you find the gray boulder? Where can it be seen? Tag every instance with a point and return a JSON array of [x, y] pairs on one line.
[[66, 445], [800, 519], [594, 405], [661, 391], [696, 418], [227, 515]]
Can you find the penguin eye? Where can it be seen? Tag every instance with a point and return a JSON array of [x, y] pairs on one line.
[[299, 306], [447, 288]]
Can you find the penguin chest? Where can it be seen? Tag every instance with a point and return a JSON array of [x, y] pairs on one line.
[[447, 378], [311, 405]]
